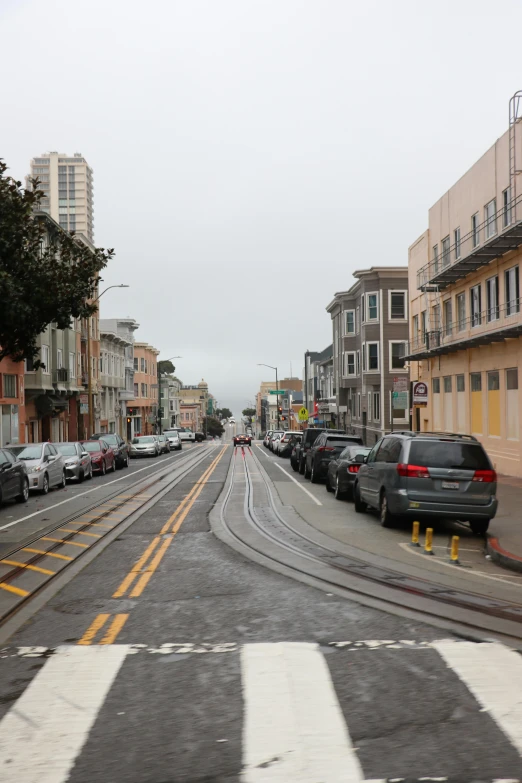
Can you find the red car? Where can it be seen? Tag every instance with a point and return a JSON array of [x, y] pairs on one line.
[[242, 440], [103, 457]]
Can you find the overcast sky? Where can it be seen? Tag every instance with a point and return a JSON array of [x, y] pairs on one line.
[[248, 155]]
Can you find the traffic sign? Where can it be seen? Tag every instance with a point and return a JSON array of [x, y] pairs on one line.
[[303, 414], [276, 391]]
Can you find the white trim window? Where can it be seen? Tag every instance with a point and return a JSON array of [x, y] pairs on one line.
[[490, 218], [475, 302], [397, 350], [349, 322], [348, 364], [372, 358], [364, 357], [44, 358], [446, 257], [357, 320], [372, 306], [456, 243], [512, 290], [358, 363], [506, 207], [72, 364], [376, 412], [369, 406], [358, 405], [397, 305], [475, 230]]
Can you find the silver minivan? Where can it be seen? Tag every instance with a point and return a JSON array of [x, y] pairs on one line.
[[428, 475], [45, 465]]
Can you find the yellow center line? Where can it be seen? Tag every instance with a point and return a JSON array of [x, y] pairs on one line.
[[93, 629], [131, 576], [15, 590], [156, 560], [114, 628], [80, 533], [62, 541], [49, 554], [28, 566]]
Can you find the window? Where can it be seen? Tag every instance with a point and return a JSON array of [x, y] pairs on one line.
[[136, 364], [436, 258], [456, 242], [397, 305], [349, 322], [359, 405], [372, 307], [423, 325], [59, 360], [512, 416], [448, 317], [475, 231], [492, 299], [461, 311], [446, 252], [436, 385], [376, 412], [373, 357], [435, 315], [369, 406], [511, 280], [476, 381], [475, 298], [9, 386], [350, 363], [357, 320], [364, 357], [461, 383], [358, 363], [415, 327], [506, 207], [144, 390], [447, 384], [142, 364], [490, 218], [493, 381], [44, 354], [397, 354], [72, 365], [363, 312]]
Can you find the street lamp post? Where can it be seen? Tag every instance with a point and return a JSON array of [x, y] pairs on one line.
[[159, 389], [89, 367], [260, 364]]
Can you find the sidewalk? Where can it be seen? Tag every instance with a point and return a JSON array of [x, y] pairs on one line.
[[504, 542]]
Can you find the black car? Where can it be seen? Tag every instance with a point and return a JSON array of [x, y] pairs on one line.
[[117, 444], [298, 456], [343, 470], [14, 484], [200, 437], [325, 448]]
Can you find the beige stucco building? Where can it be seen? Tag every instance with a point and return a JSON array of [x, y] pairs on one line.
[[145, 406], [465, 319]]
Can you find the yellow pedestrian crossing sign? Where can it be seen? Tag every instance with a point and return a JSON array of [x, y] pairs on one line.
[[303, 414]]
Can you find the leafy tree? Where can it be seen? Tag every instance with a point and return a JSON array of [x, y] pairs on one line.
[[166, 366], [213, 426], [224, 413], [40, 284], [249, 412]]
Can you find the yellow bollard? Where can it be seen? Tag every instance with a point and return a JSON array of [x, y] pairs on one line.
[[429, 541], [454, 557], [415, 534]]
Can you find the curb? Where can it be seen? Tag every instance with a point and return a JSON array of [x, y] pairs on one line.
[[501, 556]]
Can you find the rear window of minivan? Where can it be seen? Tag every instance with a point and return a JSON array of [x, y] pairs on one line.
[[447, 454]]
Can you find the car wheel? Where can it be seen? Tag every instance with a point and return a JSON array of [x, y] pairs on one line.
[[63, 482], [387, 519], [89, 474], [328, 483], [479, 526], [307, 472], [339, 494], [45, 485], [113, 466], [126, 461], [295, 467], [301, 467], [359, 504], [23, 497], [81, 476], [103, 469]]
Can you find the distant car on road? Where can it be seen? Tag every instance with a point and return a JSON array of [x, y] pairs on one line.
[[164, 444], [14, 484], [200, 437], [174, 439], [287, 444], [145, 446], [44, 463], [118, 445], [242, 440], [102, 455], [266, 439], [77, 461]]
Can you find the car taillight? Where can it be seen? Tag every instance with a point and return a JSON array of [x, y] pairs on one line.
[[325, 448], [486, 476], [353, 468], [412, 471]]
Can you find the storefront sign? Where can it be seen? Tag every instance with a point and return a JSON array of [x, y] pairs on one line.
[[420, 393]]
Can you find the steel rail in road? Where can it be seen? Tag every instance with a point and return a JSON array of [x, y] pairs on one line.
[[30, 566], [473, 612]]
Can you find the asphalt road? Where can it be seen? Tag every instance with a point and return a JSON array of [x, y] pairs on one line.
[[170, 658]]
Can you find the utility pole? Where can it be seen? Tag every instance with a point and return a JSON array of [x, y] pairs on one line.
[[277, 396], [159, 397], [89, 378]]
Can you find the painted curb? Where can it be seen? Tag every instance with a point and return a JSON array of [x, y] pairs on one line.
[[501, 556]]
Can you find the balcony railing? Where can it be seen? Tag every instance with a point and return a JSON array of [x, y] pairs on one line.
[[494, 324], [61, 375], [495, 236]]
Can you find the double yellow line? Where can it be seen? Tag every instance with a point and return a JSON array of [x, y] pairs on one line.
[[144, 568], [99, 623]]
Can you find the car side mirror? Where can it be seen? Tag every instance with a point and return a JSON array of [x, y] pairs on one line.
[[104, 451], [85, 454]]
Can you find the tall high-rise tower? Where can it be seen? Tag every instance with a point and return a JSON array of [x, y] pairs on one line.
[[67, 183]]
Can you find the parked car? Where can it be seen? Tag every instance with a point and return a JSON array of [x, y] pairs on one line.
[[200, 437], [164, 444], [302, 448], [343, 470], [266, 439], [286, 447], [145, 446], [420, 475], [281, 442], [187, 435], [174, 439], [77, 461], [102, 455], [118, 445], [327, 446], [242, 440], [44, 464], [14, 484], [276, 434]]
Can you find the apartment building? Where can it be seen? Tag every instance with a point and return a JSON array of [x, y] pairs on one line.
[[370, 337], [112, 380], [465, 320], [191, 396], [124, 328], [12, 402], [319, 399], [144, 409], [170, 401], [67, 182]]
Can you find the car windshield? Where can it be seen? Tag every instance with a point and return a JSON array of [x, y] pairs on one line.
[[447, 454], [144, 439], [27, 452], [172, 434], [338, 441], [92, 445], [356, 451], [112, 439], [67, 449]]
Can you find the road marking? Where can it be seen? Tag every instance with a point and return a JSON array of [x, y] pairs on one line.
[[80, 532], [135, 570], [154, 563], [493, 674], [12, 589], [93, 628], [114, 628], [439, 561], [29, 567], [299, 485], [49, 554], [63, 541], [45, 730], [81, 494], [294, 730]]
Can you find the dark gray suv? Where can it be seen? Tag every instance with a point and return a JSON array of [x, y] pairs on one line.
[[425, 475]]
